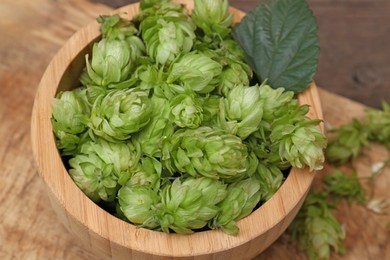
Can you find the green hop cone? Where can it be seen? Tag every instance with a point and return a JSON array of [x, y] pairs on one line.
[[206, 152], [275, 101], [94, 177], [69, 112], [234, 74], [157, 130], [124, 157], [350, 141], [213, 17], [186, 110], [114, 27], [211, 108], [243, 105], [167, 35], [233, 52], [148, 173], [270, 179], [268, 154], [149, 8], [316, 229], [197, 71], [137, 203], [190, 204], [341, 185], [120, 113], [145, 4], [242, 197], [298, 139], [111, 63], [378, 123]]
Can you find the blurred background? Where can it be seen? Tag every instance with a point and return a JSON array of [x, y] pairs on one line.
[[355, 49]]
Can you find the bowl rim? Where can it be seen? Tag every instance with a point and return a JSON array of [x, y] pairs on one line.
[[276, 213]]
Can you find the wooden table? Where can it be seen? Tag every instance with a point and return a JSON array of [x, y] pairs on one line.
[[33, 31]]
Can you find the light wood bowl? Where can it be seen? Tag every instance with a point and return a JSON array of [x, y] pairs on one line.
[[111, 237]]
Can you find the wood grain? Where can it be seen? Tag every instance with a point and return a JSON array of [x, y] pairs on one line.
[[31, 33]]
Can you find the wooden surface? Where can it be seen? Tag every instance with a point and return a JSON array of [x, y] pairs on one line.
[[33, 31]]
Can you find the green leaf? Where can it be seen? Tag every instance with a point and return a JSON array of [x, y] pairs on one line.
[[280, 42]]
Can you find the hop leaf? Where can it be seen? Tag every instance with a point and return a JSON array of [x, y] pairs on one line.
[[281, 43]]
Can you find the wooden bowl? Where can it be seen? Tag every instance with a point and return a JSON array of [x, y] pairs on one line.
[[111, 237]]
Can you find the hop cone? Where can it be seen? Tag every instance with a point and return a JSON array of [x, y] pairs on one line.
[[316, 229], [69, 113], [275, 101], [206, 152], [234, 74], [190, 204], [197, 71], [167, 32], [111, 63], [157, 130], [114, 27], [212, 16], [341, 185], [265, 151], [270, 179], [94, 177], [124, 157], [120, 113], [148, 173], [378, 123], [350, 141], [242, 197], [298, 139], [243, 105], [137, 203], [186, 110]]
